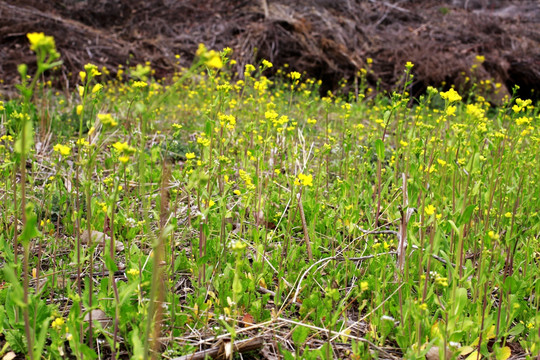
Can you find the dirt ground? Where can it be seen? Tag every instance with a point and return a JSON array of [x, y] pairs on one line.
[[328, 39]]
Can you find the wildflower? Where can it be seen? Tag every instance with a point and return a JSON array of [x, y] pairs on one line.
[[97, 88], [311, 121], [404, 143], [133, 272], [92, 70], [41, 41], [409, 65], [237, 192], [295, 75], [62, 149], [429, 210], [441, 162], [304, 180], [508, 215], [451, 111], [451, 95], [493, 235], [267, 64], [79, 109], [423, 306], [214, 61], [107, 119], [82, 142], [58, 323], [140, 84], [238, 245], [123, 147], [123, 159], [364, 285]]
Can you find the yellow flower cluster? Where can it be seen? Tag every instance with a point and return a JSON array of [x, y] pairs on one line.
[[450, 95], [211, 58], [64, 150], [521, 105], [58, 323], [247, 179], [229, 121], [39, 41], [304, 180], [107, 119], [124, 150]]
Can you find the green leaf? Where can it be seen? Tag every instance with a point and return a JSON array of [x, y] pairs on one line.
[[466, 216], [379, 147], [386, 115], [503, 353], [300, 334], [237, 284], [28, 134], [516, 330], [30, 229]]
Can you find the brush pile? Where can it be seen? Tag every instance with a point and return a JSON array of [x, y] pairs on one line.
[[329, 40]]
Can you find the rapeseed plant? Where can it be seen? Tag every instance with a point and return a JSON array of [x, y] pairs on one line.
[[280, 203]]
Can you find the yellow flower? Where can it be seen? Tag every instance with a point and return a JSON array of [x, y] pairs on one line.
[[404, 143], [214, 61], [82, 74], [267, 64], [493, 235], [429, 210], [62, 149], [123, 159], [451, 95], [123, 147], [97, 88], [133, 272], [57, 323], [41, 41], [190, 155], [451, 111], [364, 285], [140, 84], [107, 119], [295, 75], [409, 65], [79, 109], [305, 180], [441, 162]]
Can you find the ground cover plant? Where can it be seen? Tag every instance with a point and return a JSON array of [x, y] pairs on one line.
[[208, 216]]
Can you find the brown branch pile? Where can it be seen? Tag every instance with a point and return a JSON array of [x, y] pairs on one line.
[[329, 40]]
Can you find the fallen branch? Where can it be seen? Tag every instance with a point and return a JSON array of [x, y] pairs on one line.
[[224, 346]]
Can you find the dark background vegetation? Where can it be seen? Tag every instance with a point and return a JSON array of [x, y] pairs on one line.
[[328, 39]]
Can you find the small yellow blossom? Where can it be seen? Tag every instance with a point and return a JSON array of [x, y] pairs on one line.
[[62, 149], [429, 210], [304, 180], [107, 119], [190, 155], [140, 84], [97, 88], [451, 95], [133, 272]]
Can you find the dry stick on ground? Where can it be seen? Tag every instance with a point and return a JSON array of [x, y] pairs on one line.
[[224, 348], [330, 332], [304, 226]]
